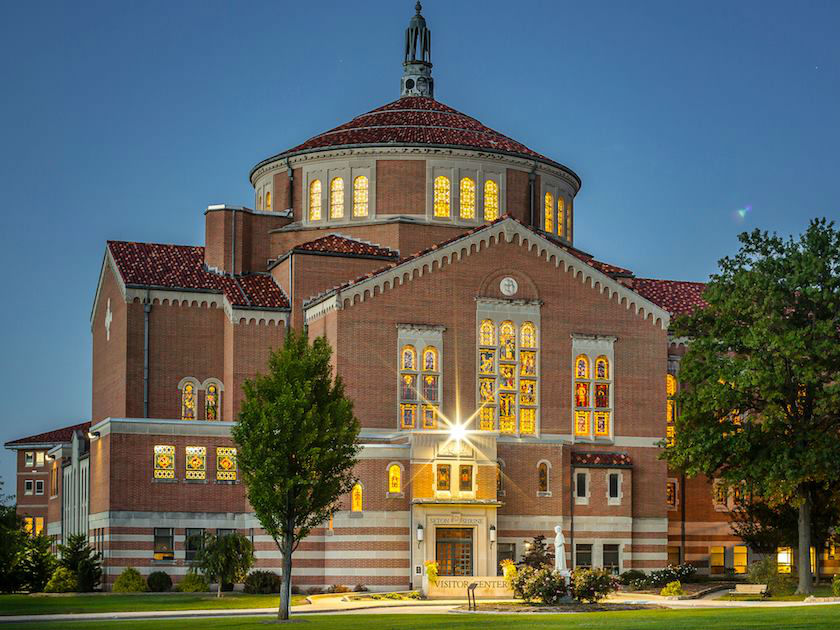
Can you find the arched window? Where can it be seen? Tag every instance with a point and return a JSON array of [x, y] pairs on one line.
[[337, 198], [583, 386], [315, 200], [528, 335], [361, 193], [467, 198], [603, 399], [409, 358], [431, 382], [549, 212], [602, 368], [212, 402], [442, 196], [409, 374], [487, 333], [394, 478], [670, 409], [560, 215], [356, 498], [259, 202], [188, 400], [542, 477], [268, 200], [491, 200]]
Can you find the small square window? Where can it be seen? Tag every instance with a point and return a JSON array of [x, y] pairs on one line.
[[164, 544], [39, 486], [28, 486], [583, 556], [29, 459]]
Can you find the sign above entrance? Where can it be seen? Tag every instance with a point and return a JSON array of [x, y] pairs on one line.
[[455, 519]]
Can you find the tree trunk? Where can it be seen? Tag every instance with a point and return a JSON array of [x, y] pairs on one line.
[[219, 590], [286, 585], [806, 584]]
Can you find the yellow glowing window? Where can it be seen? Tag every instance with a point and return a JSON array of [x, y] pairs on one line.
[[528, 335], [467, 198], [394, 478], [315, 200], [507, 341], [337, 198], [430, 359], [164, 461], [560, 215], [716, 563], [196, 462], [582, 423], [602, 368], [430, 415], [582, 366], [670, 385], [28, 524], [409, 358], [259, 203], [527, 421], [602, 423], [739, 559], [487, 333], [39, 525], [408, 416], [212, 399], [356, 498], [188, 400], [549, 212], [491, 200], [671, 494], [784, 559], [442, 196], [361, 194], [487, 416], [225, 464], [507, 413], [268, 201]]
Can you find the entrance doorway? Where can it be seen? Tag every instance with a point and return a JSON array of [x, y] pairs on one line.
[[454, 550]]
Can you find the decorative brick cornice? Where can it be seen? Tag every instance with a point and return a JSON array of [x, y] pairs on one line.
[[596, 459]]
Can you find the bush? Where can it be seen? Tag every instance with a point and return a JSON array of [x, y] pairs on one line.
[[766, 571], [633, 575], [314, 590], [262, 582], [658, 579], [533, 584], [338, 588], [360, 588], [835, 585], [159, 582], [296, 590], [85, 563], [193, 583], [63, 580], [672, 589], [592, 585], [37, 564], [130, 581]]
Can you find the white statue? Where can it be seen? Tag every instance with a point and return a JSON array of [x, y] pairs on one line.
[[560, 551]]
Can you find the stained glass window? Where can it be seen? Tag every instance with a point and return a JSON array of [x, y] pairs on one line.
[[268, 201], [592, 397], [487, 361], [507, 377], [443, 482], [487, 333], [409, 387], [442, 196], [549, 212], [486, 390], [560, 216], [527, 421], [408, 416], [602, 423], [582, 367], [507, 341], [602, 395], [164, 461], [670, 409], [361, 192], [528, 363], [582, 423], [491, 200], [225, 463], [671, 494], [527, 392], [465, 478], [430, 388], [507, 413], [430, 360], [542, 477], [356, 498], [337, 198], [211, 402], [315, 200], [196, 457], [409, 358], [528, 335], [602, 368], [581, 394], [429, 417], [419, 383], [188, 396], [467, 198], [487, 418], [394, 478]]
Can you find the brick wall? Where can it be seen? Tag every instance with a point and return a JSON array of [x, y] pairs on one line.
[[400, 187]]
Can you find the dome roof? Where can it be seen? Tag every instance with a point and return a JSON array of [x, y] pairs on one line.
[[415, 121]]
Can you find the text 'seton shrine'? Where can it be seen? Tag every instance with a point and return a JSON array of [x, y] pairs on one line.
[[506, 381]]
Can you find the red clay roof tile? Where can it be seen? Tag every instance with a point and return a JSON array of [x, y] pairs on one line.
[[337, 244], [56, 436], [675, 296]]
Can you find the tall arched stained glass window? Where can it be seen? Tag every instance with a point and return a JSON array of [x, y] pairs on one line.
[[442, 196], [487, 333], [582, 389], [188, 401], [268, 200], [528, 335], [337, 198], [430, 377], [361, 194], [549, 212], [542, 477], [603, 398], [315, 200], [394, 478], [409, 373], [356, 498], [491, 200], [212, 402], [560, 215], [467, 198]]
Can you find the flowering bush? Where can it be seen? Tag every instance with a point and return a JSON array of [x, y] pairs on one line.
[[530, 584], [591, 585], [508, 569], [657, 579], [432, 572]]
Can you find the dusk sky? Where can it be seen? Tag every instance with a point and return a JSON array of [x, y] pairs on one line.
[[125, 120]]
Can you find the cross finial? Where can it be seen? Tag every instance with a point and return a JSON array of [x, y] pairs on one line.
[[418, 7]]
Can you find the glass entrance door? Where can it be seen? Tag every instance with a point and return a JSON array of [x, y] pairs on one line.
[[454, 550]]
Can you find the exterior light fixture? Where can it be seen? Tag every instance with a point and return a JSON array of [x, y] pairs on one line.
[[419, 534], [492, 534], [93, 435]]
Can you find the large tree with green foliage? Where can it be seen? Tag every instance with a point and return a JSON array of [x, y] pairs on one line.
[[12, 544], [83, 560], [37, 564], [224, 559], [297, 445], [760, 382]]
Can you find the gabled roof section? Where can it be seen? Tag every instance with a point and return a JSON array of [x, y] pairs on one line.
[[505, 228], [56, 436], [181, 267], [675, 296], [339, 244]]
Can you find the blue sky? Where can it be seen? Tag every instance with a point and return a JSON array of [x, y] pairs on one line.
[[125, 120]]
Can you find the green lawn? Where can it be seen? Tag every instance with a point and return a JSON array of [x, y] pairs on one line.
[[44, 605], [824, 590], [815, 617]]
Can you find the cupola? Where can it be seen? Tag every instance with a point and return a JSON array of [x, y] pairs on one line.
[[417, 60]]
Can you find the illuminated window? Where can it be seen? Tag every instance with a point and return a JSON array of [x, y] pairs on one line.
[[716, 560], [361, 194], [487, 333], [560, 215], [465, 478], [542, 477], [188, 400], [259, 202], [784, 559], [491, 200], [39, 458], [196, 458], [28, 524], [409, 373], [549, 212], [739, 559], [443, 477], [430, 378], [337, 198], [212, 398], [394, 478], [315, 200], [442, 196], [268, 201], [671, 494], [164, 543], [164, 461], [225, 463], [467, 198], [39, 526], [592, 397], [670, 409]]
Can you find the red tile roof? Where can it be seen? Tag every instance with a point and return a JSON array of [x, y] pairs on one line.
[[416, 120], [337, 244], [57, 436], [182, 267], [675, 296]]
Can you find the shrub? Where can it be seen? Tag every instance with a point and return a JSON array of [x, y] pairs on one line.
[[835, 585], [518, 581], [262, 582], [338, 588], [592, 585], [159, 582], [193, 583], [672, 589], [360, 588], [63, 580], [130, 581], [314, 590], [37, 563], [296, 590], [633, 575], [530, 584], [432, 571], [766, 571], [659, 578], [78, 556]]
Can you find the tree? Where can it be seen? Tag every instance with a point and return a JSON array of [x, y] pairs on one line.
[[225, 559], [297, 446], [12, 542], [760, 382], [537, 554], [85, 563], [37, 564]]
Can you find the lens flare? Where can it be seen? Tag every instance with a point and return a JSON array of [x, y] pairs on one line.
[[741, 213]]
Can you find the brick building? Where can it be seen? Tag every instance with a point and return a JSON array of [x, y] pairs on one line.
[[506, 381]]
